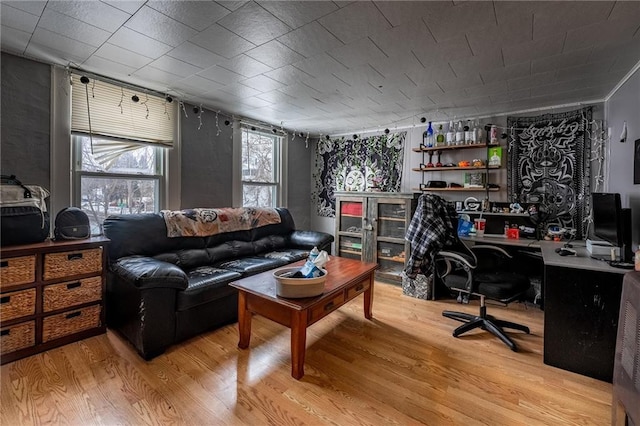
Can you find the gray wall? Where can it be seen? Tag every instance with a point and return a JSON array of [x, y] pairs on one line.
[[623, 106], [207, 162], [25, 118], [299, 178]]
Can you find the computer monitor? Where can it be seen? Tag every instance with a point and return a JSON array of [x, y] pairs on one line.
[[611, 222]]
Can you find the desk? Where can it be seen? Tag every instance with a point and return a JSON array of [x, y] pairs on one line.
[[582, 302]]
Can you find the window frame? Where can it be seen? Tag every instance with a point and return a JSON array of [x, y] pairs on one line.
[[279, 148], [77, 173]]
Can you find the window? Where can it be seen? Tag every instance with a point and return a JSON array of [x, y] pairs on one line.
[[119, 141], [131, 182], [261, 170]]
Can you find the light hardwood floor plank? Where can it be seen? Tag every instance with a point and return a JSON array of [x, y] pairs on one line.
[[404, 367]]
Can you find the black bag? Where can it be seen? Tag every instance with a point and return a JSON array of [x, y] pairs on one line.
[[72, 224], [23, 212]]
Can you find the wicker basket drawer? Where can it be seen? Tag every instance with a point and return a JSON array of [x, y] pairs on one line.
[[17, 336], [17, 304], [17, 270], [64, 295], [69, 263], [60, 325]]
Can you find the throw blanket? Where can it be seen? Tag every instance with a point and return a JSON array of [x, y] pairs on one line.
[[205, 222]]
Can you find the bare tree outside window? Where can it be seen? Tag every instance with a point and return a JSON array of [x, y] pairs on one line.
[[260, 168], [128, 184]]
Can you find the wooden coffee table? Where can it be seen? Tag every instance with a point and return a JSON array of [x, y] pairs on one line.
[[346, 279]]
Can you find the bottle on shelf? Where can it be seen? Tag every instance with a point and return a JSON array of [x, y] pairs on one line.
[[468, 132], [427, 137], [451, 134], [493, 135], [459, 134], [478, 132], [440, 136]]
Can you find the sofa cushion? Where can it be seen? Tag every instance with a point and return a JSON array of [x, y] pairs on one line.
[[251, 265], [288, 255], [206, 284]]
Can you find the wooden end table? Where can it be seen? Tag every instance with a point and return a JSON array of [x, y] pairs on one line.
[[346, 279]]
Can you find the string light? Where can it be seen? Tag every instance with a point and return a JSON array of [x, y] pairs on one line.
[[122, 98], [200, 117], [306, 141], [93, 86], [184, 109], [146, 99], [217, 125]]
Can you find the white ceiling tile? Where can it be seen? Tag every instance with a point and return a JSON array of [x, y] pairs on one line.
[[555, 18], [195, 55], [326, 84], [355, 21], [320, 64], [245, 66], [231, 5], [17, 19], [221, 41], [221, 75], [600, 33], [357, 53], [510, 72], [402, 12], [175, 66], [32, 7], [14, 40], [360, 74], [488, 60], [275, 97], [489, 89], [240, 90], [196, 83], [456, 84], [154, 24], [254, 102], [550, 63], [454, 21], [493, 37], [516, 53], [52, 55], [138, 43], [96, 13], [255, 24], [428, 76], [295, 13], [262, 83], [532, 80], [397, 64], [510, 96], [310, 40], [404, 38], [625, 10], [157, 75], [70, 27], [288, 74], [61, 43], [274, 54], [99, 65], [128, 6], [195, 14], [122, 56], [444, 51]]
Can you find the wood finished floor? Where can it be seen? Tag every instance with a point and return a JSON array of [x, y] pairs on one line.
[[404, 368]]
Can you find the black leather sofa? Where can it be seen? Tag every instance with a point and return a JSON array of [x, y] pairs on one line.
[[162, 290]]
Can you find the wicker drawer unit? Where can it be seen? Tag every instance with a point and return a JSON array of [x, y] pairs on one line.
[[52, 294], [17, 270]]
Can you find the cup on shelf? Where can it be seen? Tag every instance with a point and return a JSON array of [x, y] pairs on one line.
[[480, 224]]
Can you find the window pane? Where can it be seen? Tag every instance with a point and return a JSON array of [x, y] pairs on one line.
[[258, 157], [258, 195], [134, 159], [104, 196]]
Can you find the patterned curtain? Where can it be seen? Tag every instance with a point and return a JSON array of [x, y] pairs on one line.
[[549, 164], [372, 163]]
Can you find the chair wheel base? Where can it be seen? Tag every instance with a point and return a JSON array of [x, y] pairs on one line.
[[486, 322]]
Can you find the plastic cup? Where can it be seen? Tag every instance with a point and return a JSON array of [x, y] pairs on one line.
[[480, 224]]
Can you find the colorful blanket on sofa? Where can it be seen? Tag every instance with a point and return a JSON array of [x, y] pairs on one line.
[[205, 222]]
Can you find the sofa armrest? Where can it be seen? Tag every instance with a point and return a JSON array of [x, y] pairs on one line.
[[146, 272], [310, 239]]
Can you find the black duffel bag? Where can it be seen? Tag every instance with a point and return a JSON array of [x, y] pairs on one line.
[[24, 218]]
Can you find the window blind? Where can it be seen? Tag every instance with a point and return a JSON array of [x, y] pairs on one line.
[[110, 112]]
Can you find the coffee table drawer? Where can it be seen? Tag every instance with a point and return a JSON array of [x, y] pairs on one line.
[[326, 308], [355, 290]]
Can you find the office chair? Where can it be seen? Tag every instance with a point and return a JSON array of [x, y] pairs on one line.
[[482, 271]]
